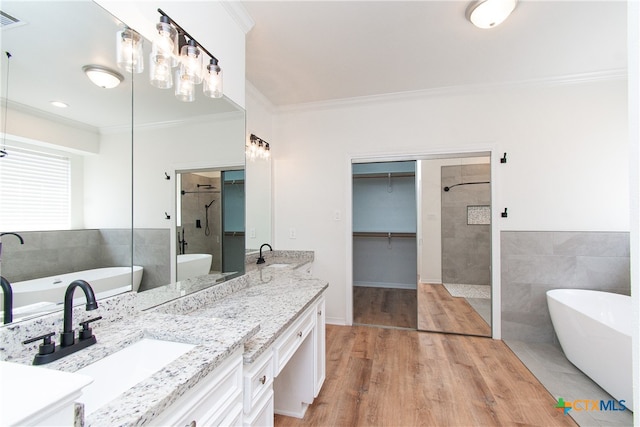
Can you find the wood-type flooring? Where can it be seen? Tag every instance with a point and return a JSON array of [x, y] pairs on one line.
[[396, 377]]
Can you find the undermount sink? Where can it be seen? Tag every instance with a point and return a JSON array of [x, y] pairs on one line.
[[118, 372], [278, 265]]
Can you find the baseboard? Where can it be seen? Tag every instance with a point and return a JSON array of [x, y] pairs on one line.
[[338, 321], [385, 285]]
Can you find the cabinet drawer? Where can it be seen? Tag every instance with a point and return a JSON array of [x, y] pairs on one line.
[[262, 416], [210, 399], [258, 378], [289, 342]]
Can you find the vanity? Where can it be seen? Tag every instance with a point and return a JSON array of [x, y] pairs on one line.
[[257, 346]]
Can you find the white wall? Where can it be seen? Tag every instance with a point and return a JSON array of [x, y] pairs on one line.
[[258, 173], [567, 161], [209, 22]]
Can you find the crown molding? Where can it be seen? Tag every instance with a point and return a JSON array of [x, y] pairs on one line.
[[203, 119], [255, 94], [239, 14], [48, 116], [573, 79]]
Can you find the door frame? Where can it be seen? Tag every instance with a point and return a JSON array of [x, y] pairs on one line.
[[491, 152]]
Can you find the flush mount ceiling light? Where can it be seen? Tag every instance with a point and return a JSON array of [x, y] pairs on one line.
[[59, 104], [103, 76], [489, 13]]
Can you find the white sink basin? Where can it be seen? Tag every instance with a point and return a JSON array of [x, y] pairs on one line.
[[118, 372], [278, 265]]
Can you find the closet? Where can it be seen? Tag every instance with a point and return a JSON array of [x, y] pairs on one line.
[[384, 243]]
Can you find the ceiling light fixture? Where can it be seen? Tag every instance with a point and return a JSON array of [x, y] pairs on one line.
[[257, 148], [102, 76], [59, 104], [489, 13]]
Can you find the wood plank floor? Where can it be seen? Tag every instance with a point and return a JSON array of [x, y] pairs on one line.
[[393, 377], [439, 311], [385, 307]]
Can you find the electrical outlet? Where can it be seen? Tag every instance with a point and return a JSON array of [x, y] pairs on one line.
[[336, 215], [292, 233], [252, 232]]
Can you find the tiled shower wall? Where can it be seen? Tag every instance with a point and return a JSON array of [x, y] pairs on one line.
[[466, 248], [533, 262]]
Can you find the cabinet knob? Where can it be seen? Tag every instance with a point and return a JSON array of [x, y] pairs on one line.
[[320, 313], [263, 379], [299, 334]]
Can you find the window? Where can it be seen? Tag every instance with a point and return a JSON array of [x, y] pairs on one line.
[[34, 191]]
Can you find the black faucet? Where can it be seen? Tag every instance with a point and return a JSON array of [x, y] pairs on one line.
[[261, 259], [48, 352], [7, 306], [183, 243], [12, 234], [66, 338]]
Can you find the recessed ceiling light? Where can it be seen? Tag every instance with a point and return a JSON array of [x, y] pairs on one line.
[[489, 13], [102, 76], [59, 104]]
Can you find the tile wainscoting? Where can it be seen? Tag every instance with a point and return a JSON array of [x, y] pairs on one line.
[[534, 262]]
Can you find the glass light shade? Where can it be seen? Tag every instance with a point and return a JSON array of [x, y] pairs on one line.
[[185, 88], [103, 76], [212, 82], [160, 72], [490, 13], [129, 51], [191, 62], [165, 42]]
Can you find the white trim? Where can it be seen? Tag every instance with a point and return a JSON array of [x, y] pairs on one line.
[[259, 97], [572, 79], [49, 116], [205, 118], [384, 285], [486, 149], [239, 14]]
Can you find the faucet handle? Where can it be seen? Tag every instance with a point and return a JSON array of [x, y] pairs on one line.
[[47, 347], [86, 333]]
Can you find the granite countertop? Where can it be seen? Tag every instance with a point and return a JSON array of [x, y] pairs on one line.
[[275, 297], [215, 340]]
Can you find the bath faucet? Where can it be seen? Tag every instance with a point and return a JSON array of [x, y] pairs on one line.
[[7, 306], [261, 259], [66, 338], [48, 352], [12, 234], [183, 243]]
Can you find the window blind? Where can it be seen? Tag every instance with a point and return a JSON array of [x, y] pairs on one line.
[[35, 191]]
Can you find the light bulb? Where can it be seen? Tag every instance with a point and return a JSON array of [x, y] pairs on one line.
[[212, 86], [129, 51]]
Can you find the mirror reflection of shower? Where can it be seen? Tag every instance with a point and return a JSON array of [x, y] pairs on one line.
[[207, 229]]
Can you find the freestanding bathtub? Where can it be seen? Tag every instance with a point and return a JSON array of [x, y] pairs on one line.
[[104, 282], [594, 330], [193, 265]]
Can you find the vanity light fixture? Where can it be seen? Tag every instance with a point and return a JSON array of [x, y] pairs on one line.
[[174, 47], [129, 51], [102, 76], [257, 148], [489, 13]]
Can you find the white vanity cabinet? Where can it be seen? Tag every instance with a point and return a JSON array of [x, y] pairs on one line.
[[319, 365], [214, 400], [258, 391]]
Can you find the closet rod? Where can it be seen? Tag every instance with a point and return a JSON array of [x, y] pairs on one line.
[[381, 234], [234, 233], [384, 175]]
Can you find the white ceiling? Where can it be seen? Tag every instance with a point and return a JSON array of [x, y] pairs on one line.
[[308, 51]]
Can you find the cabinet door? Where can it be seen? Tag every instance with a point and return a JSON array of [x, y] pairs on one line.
[[320, 355]]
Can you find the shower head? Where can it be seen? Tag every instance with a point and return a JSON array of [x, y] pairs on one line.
[[209, 205]]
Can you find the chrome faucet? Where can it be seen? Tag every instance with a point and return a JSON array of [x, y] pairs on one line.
[[7, 306], [261, 259], [48, 352]]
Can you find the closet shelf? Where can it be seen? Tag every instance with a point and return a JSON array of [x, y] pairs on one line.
[[234, 233], [383, 234]]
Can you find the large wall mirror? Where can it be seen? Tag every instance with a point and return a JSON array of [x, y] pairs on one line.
[[125, 149]]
